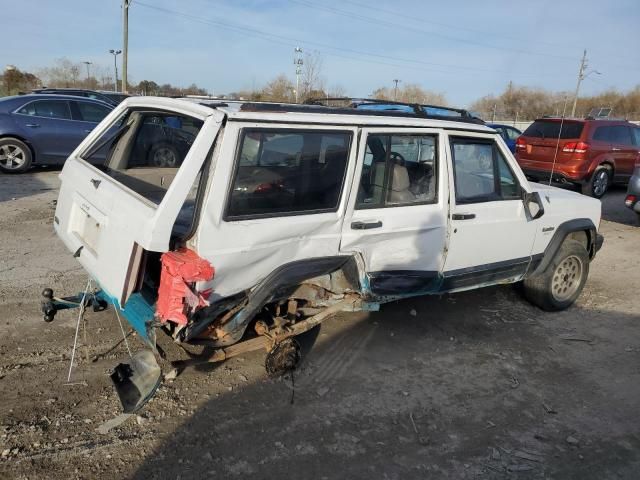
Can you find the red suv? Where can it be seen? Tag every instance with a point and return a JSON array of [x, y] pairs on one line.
[[590, 153]]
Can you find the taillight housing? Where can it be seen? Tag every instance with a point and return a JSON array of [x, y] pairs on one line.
[[521, 143], [575, 147], [630, 201]]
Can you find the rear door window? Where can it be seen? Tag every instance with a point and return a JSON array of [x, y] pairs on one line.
[[549, 129], [621, 135], [144, 149], [284, 172], [602, 134], [90, 112]]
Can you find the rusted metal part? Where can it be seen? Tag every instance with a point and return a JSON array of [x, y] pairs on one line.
[[271, 337], [283, 358]]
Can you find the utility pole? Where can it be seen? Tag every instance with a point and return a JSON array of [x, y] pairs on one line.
[[493, 117], [125, 42], [581, 76], [87, 64], [395, 89], [298, 62], [115, 54]]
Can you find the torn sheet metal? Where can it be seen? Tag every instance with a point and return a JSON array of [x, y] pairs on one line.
[[175, 295]]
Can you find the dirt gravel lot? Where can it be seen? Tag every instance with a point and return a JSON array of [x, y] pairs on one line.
[[473, 385]]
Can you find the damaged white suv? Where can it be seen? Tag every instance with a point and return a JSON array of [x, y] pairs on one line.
[[242, 225]]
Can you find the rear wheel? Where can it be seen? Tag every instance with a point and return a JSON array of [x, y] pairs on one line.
[[164, 155], [558, 287], [15, 156], [599, 182]]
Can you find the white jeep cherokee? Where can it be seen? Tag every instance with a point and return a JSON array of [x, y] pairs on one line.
[[205, 219]]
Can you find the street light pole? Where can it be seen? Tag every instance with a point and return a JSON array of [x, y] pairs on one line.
[[87, 64], [298, 62], [115, 54], [395, 89], [125, 42]]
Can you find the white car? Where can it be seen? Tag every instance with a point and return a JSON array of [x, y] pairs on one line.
[[277, 216]]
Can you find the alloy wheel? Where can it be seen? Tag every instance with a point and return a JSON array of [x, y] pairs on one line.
[[566, 278], [600, 183], [12, 157]]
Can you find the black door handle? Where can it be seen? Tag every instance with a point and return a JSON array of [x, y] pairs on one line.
[[463, 216], [365, 225]]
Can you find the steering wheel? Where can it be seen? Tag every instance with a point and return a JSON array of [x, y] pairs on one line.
[[395, 157]]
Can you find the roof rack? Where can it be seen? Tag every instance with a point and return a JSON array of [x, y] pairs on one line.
[[364, 106]]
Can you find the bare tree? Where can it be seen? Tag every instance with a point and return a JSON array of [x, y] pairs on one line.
[[312, 82], [280, 89], [411, 93]]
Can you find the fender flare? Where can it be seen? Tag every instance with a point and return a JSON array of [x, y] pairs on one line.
[[561, 233]]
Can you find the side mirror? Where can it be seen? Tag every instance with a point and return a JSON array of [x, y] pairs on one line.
[[533, 204]]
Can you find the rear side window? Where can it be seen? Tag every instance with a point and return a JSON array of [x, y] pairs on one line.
[[481, 173], [398, 170], [280, 172], [143, 150], [47, 108], [91, 112], [551, 129], [636, 136]]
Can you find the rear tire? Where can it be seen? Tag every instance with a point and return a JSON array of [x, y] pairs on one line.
[[164, 155], [15, 156], [599, 182], [558, 287]]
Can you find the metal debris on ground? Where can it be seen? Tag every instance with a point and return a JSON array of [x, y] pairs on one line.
[[109, 425]]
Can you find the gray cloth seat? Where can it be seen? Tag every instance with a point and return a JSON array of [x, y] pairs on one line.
[[400, 183]]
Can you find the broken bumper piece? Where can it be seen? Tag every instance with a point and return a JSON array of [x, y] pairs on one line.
[[137, 380]]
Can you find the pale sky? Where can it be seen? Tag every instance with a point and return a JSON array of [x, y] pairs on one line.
[[464, 49]]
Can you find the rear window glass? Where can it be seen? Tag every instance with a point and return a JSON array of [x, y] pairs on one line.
[[143, 150], [551, 129], [287, 172]]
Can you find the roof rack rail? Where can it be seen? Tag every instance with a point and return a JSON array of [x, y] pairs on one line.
[[365, 106], [392, 105]]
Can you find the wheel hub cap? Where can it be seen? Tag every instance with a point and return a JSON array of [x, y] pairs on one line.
[[566, 278]]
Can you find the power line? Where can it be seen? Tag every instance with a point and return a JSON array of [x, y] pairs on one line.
[[288, 41], [422, 20], [395, 25]]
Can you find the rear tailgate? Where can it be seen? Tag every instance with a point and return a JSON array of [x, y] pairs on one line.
[[540, 141], [107, 223]]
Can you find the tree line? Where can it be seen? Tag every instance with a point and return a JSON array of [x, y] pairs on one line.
[[514, 103]]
